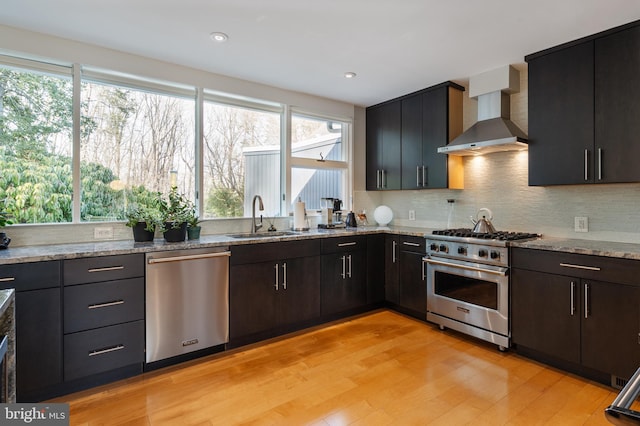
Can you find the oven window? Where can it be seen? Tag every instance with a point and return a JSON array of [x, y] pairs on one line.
[[470, 290]]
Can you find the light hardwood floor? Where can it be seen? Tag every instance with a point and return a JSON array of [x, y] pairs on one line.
[[377, 369]]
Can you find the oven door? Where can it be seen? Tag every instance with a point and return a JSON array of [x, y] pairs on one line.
[[471, 293]]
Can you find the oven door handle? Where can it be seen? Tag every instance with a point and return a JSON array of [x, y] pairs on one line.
[[499, 271]]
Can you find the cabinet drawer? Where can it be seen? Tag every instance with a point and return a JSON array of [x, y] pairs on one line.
[[97, 305], [30, 276], [105, 268], [611, 269], [104, 349], [263, 252], [342, 244], [413, 244]]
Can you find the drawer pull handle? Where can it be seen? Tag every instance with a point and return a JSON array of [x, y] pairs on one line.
[[588, 268], [347, 244], [406, 243], [6, 280], [106, 269], [106, 350], [106, 304]]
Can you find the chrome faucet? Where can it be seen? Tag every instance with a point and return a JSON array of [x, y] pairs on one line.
[[255, 226]]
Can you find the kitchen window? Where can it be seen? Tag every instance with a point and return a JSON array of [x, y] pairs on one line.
[[129, 135], [133, 139], [319, 159], [36, 141]]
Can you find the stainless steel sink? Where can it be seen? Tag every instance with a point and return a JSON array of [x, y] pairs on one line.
[[267, 234]]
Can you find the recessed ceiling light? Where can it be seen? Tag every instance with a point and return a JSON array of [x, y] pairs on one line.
[[349, 74], [219, 37]]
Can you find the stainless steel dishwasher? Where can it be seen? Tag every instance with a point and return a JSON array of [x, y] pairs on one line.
[[187, 301]]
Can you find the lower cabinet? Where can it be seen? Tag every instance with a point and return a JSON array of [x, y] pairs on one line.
[[38, 327], [274, 288], [405, 282], [344, 274], [568, 314]]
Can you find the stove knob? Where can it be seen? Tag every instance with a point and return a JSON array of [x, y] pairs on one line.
[[482, 253], [462, 250], [495, 254], [444, 249], [433, 247]]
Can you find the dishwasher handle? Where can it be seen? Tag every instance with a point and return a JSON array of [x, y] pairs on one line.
[[152, 260]]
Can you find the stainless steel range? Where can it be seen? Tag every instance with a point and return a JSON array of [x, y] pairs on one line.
[[468, 282]]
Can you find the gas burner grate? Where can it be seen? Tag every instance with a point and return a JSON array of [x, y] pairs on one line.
[[500, 235]]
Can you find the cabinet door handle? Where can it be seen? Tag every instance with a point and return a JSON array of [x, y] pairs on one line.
[[599, 163], [277, 267], [586, 301], [586, 164], [106, 269], [573, 298], [378, 178], [383, 180], [393, 252], [418, 184], [106, 304], [7, 279], [353, 243], [106, 350], [349, 271], [344, 267], [284, 275], [406, 243], [574, 266], [424, 276], [424, 177]]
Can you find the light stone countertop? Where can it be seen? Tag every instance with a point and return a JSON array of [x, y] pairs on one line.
[[589, 247], [107, 248]]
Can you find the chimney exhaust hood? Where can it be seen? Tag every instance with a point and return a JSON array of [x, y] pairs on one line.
[[494, 131]]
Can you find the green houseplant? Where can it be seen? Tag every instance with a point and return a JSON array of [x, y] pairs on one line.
[[193, 225], [5, 219], [143, 213], [175, 211]]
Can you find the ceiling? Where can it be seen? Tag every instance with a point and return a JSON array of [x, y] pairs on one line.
[[395, 47]]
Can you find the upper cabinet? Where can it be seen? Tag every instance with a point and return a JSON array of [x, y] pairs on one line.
[[403, 136], [583, 109]]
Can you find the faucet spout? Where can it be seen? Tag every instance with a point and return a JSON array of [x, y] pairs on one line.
[[255, 226]]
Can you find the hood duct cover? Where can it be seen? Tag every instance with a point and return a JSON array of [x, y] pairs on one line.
[[494, 131]]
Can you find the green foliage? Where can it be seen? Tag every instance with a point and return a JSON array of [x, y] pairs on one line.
[[144, 206], [5, 219], [176, 210], [225, 202]]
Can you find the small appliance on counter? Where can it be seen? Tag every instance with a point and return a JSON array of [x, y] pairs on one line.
[[330, 214]]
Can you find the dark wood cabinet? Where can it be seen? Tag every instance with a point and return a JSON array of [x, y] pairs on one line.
[[561, 136], [391, 269], [425, 127], [403, 136], [274, 288], [562, 310], [103, 318], [344, 275], [375, 269], [383, 146], [617, 106], [583, 109], [406, 283], [413, 285], [38, 328]]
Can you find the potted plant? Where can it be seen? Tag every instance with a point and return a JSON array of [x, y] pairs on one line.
[[193, 226], [5, 219], [175, 213], [143, 221]]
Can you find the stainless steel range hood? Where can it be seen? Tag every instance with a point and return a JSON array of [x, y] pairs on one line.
[[494, 131]]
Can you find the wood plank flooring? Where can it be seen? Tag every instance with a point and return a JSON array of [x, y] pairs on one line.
[[379, 369]]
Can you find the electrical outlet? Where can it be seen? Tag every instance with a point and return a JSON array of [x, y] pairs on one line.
[[581, 224], [103, 233], [412, 215]]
